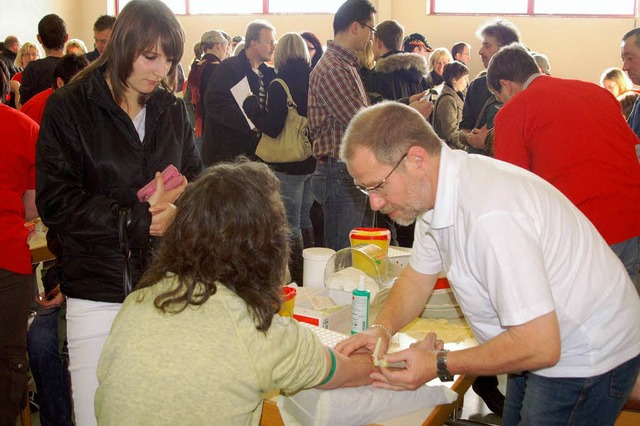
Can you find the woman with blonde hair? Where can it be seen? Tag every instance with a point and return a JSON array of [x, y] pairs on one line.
[[104, 137], [292, 63], [615, 81], [75, 46], [28, 52], [438, 59]]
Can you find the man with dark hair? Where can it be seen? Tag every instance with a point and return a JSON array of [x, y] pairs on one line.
[[48, 367], [548, 300], [631, 64], [37, 76], [226, 132], [476, 127], [101, 33], [336, 93], [66, 68], [595, 166], [396, 74], [461, 52], [8, 55]]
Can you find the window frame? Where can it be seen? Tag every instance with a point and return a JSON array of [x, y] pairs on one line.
[[530, 12], [265, 11]]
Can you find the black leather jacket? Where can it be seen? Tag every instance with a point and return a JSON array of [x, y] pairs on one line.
[[90, 163]]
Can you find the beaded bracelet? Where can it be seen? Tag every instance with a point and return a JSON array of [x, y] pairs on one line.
[[389, 335], [332, 370]]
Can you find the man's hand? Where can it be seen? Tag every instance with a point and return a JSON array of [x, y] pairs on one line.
[[364, 342], [478, 137], [420, 361], [424, 107]]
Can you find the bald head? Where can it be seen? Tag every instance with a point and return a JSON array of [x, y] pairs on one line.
[[388, 129]]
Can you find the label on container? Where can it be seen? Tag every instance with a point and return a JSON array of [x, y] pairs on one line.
[[359, 313]]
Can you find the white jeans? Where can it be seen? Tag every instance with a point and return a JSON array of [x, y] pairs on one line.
[[88, 326]]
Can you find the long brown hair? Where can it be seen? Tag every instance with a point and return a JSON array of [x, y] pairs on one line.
[[230, 228], [138, 29]]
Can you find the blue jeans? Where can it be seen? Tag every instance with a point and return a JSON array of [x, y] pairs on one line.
[[49, 369], [536, 400], [343, 204], [297, 198], [629, 253]]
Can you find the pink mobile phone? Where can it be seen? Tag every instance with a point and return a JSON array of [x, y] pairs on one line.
[[171, 178]]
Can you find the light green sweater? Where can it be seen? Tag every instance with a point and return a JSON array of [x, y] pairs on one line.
[[206, 365]]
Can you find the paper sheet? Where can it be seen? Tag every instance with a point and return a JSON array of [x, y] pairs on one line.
[[240, 92]]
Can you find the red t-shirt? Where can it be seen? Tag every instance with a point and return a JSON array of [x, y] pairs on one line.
[[572, 134], [34, 107], [17, 174]]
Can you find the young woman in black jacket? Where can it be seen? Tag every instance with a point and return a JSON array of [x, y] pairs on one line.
[[292, 65], [103, 137]]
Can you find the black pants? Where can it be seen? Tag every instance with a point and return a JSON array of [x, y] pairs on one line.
[[15, 293]]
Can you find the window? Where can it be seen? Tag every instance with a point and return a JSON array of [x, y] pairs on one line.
[[204, 7], [485, 6], [585, 7], [302, 6], [625, 8]]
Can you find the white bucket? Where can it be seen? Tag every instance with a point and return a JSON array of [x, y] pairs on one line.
[[315, 261]]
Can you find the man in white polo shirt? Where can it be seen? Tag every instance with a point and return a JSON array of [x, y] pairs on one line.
[[547, 299]]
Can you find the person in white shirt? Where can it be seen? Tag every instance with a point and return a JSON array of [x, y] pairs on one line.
[[547, 299]]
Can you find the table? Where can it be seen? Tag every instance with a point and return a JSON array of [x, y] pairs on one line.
[[438, 416], [38, 246]]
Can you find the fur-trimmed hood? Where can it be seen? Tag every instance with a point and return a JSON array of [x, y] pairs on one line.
[[411, 63]]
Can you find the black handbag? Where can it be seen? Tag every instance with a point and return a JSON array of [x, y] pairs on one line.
[[124, 219]]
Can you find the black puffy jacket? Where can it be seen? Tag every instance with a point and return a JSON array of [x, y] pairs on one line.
[[90, 163], [397, 75]]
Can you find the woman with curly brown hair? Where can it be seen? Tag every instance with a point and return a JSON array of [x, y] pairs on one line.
[[201, 330]]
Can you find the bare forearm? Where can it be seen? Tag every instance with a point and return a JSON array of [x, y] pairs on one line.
[[532, 346], [406, 301], [350, 371]]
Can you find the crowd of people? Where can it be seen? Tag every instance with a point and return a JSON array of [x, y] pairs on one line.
[[540, 252]]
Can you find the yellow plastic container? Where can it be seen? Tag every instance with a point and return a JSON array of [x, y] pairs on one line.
[[380, 237]]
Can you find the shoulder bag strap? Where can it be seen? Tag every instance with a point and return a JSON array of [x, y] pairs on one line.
[[290, 101]]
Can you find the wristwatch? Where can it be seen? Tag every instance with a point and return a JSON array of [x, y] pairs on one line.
[[441, 364]]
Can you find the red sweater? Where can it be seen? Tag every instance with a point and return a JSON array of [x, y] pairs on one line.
[[572, 134], [17, 174], [34, 107]]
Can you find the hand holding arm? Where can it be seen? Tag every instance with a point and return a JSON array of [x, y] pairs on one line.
[[406, 301], [530, 346]]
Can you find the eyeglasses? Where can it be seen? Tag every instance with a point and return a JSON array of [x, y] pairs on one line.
[[377, 187], [373, 30]]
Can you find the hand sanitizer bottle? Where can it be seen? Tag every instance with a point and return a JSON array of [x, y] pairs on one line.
[[360, 307]]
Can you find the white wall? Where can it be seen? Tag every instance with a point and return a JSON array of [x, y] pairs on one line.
[[577, 47]]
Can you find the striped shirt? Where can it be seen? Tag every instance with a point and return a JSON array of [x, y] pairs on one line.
[[336, 93]]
